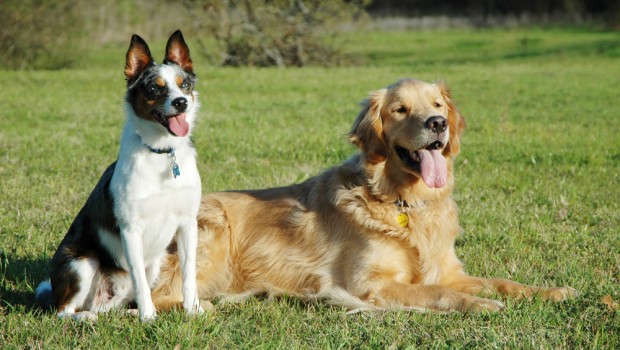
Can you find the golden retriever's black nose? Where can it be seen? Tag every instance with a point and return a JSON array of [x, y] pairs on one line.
[[180, 104], [436, 123]]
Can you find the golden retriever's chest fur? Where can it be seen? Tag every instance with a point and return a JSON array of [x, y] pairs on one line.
[[415, 254]]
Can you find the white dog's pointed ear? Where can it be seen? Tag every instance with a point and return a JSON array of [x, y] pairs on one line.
[[367, 130], [177, 52], [456, 122], [138, 58]]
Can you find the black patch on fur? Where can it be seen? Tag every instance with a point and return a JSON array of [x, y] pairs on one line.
[[82, 241]]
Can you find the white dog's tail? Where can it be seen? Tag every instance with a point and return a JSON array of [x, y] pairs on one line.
[[44, 295]]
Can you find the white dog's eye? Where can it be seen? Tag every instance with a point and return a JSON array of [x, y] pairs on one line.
[[402, 109], [185, 85], [438, 105], [155, 90]]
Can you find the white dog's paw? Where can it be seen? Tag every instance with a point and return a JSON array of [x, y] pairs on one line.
[[194, 308], [132, 312], [147, 314], [82, 316]]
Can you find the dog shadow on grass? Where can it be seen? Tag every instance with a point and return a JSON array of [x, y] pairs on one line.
[[19, 277]]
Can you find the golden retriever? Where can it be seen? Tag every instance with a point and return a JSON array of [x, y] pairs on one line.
[[376, 232]]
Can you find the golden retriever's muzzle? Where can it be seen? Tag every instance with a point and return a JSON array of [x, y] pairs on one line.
[[428, 161]]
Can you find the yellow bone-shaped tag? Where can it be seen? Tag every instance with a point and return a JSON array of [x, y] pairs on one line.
[[403, 219]]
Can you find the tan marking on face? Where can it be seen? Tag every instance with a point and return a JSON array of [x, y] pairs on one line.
[[179, 80], [144, 107], [160, 82]]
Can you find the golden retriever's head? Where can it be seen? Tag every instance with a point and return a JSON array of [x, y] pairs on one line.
[[412, 125]]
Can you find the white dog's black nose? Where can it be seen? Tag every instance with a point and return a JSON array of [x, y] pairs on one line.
[[436, 123], [180, 104]]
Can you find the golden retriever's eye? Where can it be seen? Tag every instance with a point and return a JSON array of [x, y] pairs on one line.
[[402, 109], [438, 105]]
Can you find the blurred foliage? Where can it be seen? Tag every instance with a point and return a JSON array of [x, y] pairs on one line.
[[607, 11], [36, 34], [40, 34], [49, 34], [275, 32]]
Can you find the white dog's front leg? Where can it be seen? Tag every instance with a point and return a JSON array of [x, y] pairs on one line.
[[132, 245], [187, 241]]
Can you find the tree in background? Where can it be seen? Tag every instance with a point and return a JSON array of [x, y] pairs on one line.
[[36, 34], [605, 10], [274, 32]]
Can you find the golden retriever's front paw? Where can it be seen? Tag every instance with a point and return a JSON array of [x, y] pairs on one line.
[[560, 294], [482, 304]]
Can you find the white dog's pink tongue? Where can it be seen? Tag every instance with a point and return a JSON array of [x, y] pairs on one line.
[[433, 167], [178, 125]]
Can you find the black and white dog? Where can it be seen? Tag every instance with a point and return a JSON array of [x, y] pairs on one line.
[[149, 197]]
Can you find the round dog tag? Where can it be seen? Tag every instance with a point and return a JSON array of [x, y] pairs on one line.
[[403, 219]]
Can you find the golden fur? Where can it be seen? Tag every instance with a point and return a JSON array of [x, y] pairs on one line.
[[336, 237]]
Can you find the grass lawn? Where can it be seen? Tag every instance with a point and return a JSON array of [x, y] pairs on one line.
[[537, 184]]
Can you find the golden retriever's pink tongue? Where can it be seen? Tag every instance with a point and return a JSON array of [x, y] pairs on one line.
[[433, 167], [178, 125]]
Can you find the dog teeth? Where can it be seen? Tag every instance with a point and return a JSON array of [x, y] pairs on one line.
[[414, 155]]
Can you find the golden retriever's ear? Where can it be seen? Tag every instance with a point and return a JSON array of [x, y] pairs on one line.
[[456, 122], [367, 131]]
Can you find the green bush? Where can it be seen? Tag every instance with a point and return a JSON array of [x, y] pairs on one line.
[[276, 32], [38, 34]]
